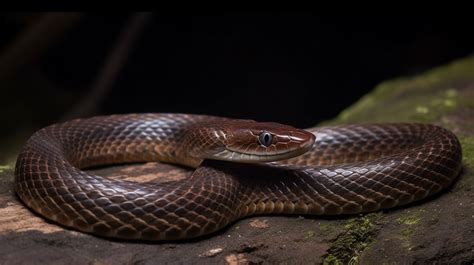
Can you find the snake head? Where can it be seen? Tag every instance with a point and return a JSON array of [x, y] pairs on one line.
[[250, 142]]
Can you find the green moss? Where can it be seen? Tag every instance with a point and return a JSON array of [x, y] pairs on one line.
[[407, 232], [359, 233], [420, 107], [424, 98], [466, 180], [467, 144], [408, 220], [309, 234], [5, 168], [331, 259]]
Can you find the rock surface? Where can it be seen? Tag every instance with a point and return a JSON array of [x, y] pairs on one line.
[[438, 230]]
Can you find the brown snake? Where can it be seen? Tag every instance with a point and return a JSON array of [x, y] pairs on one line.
[[343, 169]]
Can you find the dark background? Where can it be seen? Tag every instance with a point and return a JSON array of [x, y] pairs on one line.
[[297, 69]]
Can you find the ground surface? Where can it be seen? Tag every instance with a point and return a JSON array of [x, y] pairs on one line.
[[439, 230]]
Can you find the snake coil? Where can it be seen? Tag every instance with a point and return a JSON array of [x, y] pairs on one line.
[[319, 171]]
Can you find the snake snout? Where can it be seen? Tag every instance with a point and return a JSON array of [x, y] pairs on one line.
[[265, 142], [304, 138]]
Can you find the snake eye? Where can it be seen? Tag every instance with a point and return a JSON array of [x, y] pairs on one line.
[[265, 138]]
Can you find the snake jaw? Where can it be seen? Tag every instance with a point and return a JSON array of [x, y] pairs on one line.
[[286, 143], [229, 155]]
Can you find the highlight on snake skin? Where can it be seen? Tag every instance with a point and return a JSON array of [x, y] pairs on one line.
[[240, 168]]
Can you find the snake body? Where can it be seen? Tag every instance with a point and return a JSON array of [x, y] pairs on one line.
[[343, 169]]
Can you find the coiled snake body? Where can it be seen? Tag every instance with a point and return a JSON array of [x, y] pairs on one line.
[[322, 171]]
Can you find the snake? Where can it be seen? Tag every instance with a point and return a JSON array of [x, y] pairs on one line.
[[239, 168]]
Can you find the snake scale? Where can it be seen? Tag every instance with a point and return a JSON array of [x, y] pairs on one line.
[[240, 168]]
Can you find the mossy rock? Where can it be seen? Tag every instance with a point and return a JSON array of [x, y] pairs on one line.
[[437, 230]]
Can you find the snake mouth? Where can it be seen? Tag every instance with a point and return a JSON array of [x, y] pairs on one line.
[[237, 155]]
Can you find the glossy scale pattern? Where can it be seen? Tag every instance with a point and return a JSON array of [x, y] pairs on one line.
[[349, 169]]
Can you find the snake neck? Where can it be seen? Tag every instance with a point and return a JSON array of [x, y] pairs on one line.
[[132, 138]]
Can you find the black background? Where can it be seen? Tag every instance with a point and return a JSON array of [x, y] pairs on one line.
[[297, 69]]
